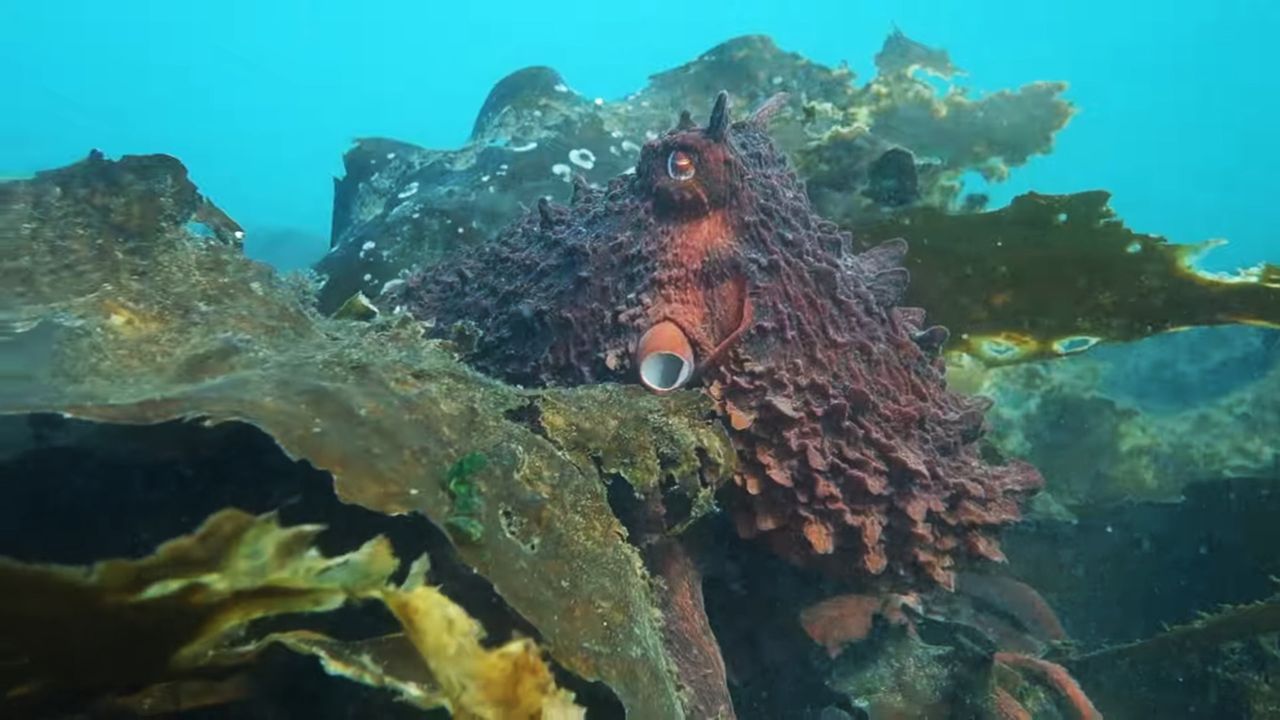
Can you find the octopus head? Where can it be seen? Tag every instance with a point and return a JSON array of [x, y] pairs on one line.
[[690, 171], [693, 179]]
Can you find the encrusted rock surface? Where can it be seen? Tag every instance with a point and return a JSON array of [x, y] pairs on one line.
[[114, 311]]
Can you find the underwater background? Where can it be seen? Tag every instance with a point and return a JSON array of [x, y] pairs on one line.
[[260, 99], [758, 360]]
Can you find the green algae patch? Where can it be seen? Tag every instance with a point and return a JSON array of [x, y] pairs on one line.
[[144, 323], [465, 495], [1052, 275]]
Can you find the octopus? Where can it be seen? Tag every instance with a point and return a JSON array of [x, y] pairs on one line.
[[706, 268]]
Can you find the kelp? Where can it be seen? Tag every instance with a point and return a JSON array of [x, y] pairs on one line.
[[1221, 664], [1052, 275], [161, 620], [147, 320], [1046, 276], [133, 622], [511, 681], [912, 109]]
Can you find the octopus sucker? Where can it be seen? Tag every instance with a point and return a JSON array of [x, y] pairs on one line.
[[709, 261]]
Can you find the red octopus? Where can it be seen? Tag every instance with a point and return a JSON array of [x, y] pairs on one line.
[[708, 268]]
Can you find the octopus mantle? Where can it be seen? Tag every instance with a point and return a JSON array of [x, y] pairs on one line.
[[855, 456]]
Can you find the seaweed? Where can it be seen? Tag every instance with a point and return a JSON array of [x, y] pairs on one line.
[[1222, 664], [185, 611], [1053, 275], [136, 622], [1046, 276], [465, 494], [161, 324]]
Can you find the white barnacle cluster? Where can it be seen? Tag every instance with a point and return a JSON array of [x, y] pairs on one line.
[[391, 286], [583, 158], [409, 190]]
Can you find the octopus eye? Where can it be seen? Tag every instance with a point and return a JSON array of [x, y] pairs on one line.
[[680, 165]]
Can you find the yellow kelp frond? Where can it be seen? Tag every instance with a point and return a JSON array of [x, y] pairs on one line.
[[389, 662], [510, 682], [122, 623], [165, 619]]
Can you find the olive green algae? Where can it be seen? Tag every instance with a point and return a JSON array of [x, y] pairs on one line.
[[135, 319]]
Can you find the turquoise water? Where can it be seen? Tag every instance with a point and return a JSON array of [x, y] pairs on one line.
[[801, 522], [1177, 106]]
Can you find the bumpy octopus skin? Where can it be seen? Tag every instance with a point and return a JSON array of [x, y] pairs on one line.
[[855, 457]]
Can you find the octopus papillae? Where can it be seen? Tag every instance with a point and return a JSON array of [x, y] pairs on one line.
[[707, 268]]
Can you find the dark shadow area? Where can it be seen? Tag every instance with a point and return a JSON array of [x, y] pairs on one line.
[[74, 492], [1126, 572], [753, 600]]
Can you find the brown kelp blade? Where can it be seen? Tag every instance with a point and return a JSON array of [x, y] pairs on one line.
[[1051, 275]]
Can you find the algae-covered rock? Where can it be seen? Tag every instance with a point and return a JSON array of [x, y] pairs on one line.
[[903, 676], [1107, 427], [156, 323], [648, 447]]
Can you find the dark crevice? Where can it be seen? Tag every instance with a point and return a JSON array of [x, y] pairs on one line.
[[528, 415], [76, 492], [753, 599], [677, 505], [627, 505]]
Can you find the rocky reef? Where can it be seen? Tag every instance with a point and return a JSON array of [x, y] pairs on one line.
[[122, 314], [1142, 421], [209, 473]]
